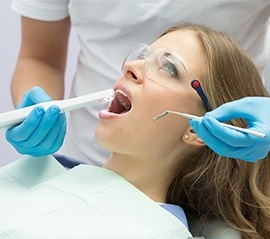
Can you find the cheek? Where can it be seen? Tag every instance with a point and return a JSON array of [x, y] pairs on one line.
[[167, 129], [160, 100], [172, 127]]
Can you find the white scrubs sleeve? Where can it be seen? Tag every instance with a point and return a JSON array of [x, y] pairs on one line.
[[45, 10]]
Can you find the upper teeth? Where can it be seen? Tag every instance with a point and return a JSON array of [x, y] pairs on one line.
[[121, 92], [123, 99]]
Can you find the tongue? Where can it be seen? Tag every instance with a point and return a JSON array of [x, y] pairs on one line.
[[125, 102], [116, 107]]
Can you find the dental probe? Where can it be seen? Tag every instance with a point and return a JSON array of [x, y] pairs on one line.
[[189, 116], [14, 117]]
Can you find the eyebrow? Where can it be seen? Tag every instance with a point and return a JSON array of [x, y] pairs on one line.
[[180, 58]]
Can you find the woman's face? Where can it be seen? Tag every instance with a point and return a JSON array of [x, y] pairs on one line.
[[127, 126]]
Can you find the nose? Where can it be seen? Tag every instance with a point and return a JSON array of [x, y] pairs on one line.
[[134, 70]]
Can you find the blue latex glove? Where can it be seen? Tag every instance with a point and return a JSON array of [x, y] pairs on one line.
[[229, 142], [42, 132]]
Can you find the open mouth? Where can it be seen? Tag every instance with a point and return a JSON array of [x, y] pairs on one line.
[[121, 103]]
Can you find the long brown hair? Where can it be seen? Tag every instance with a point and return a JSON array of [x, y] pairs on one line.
[[209, 185]]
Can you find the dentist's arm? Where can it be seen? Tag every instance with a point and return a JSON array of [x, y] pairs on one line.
[[41, 62], [42, 58], [231, 143]]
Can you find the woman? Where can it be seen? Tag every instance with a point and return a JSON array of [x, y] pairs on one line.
[[165, 159], [194, 177]]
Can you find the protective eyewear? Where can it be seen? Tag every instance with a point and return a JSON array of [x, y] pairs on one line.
[[166, 68]]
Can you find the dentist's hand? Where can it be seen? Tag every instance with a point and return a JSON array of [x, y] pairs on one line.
[[42, 132], [229, 142]]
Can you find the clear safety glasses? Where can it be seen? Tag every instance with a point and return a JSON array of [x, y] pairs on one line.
[[166, 68]]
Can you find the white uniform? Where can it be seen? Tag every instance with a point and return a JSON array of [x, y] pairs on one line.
[[108, 29]]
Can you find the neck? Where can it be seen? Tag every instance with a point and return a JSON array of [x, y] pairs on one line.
[[152, 177]]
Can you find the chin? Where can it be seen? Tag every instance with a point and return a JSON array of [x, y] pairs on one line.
[[104, 137]]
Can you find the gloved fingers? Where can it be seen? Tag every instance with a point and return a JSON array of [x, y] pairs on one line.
[[218, 146], [209, 139], [233, 110], [251, 154], [24, 130], [230, 136], [60, 138], [45, 126], [236, 138], [53, 140], [253, 151], [33, 96], [50, 143], [214, 134]]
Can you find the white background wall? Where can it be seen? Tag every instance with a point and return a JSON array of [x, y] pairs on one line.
[[9, 46]]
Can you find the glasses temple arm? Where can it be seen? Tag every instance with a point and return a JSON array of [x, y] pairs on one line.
[[197, 86]]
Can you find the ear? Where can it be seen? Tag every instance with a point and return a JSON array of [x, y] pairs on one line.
[[189, 137]]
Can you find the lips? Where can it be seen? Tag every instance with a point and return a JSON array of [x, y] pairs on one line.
[[121, 103]]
